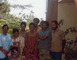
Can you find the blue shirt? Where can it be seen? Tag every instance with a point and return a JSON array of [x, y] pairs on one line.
[[44, 44], [5, 42]]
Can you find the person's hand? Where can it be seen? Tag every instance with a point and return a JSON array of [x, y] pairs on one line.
[[15, 51], [30, 50], [5, 52]]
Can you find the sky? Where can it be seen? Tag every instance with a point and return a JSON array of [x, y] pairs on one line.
[[38, 7]]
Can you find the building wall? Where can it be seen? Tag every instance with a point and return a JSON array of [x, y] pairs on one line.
[[68, 13], [52, 10]]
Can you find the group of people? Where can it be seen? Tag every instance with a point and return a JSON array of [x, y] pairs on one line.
[[29, 45]]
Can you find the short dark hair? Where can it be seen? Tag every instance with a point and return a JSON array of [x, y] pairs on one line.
[[36, 19], [31, 24], [15, 30], [4, 26], [54, 21], [23, 23], [45, 22]]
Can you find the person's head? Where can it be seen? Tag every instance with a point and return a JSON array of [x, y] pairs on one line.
[[32, 26], [36, 21], [23, 25], [5, 28], [45, 25], [54, 25], [15, 32], [75, 3]]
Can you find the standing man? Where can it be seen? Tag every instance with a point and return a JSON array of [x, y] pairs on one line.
[[57, 42], [44, 40], [5, 43]]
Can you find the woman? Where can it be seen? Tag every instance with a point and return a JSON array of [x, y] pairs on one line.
[[22, 32], [37, 27], [18, 42], [31, 51]]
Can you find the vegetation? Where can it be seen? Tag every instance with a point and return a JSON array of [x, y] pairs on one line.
[[11, 20]]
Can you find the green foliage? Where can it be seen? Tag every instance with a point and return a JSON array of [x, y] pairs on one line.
[[6, 18], [11, 20]]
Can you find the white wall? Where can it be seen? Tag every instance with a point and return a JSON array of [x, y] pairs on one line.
[[68, 13]]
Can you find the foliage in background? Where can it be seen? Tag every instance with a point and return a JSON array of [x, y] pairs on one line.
[[11, 20], [70, 44]]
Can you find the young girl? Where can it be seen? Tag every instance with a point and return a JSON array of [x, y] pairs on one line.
[[31, 51]]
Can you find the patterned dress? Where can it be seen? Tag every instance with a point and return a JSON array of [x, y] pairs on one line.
[[20, 41], [22, 33]]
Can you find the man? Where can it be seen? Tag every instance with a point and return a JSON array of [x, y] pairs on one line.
[[44, 37], [56, 42], [5, 43]]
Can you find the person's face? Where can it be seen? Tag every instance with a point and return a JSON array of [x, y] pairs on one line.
[[44, 26], [32, 28], [75, 3], [35, 22], [5, 29], [16, 34], [53, 26], [23, 27]]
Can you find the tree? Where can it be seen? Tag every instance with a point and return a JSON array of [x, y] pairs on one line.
[[6, 18], [11, 20]]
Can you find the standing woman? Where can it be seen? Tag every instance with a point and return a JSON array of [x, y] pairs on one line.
[[31, 50], [37, 27], [22, 32], [18, 42]]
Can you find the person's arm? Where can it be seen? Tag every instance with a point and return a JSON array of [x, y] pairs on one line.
[[26, 45], [63, 41], [3, 49], [43, 37], [36, 44], [63, 44], [10, 44]]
